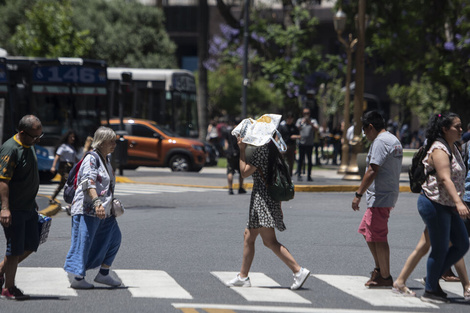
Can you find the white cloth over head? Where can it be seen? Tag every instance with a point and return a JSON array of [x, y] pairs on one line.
[[259, 132]]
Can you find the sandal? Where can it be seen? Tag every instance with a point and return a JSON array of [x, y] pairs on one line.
[[466, 294], [405, 291]]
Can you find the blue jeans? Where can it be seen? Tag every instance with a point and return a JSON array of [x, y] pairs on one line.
[[444, 226], [94, 242]]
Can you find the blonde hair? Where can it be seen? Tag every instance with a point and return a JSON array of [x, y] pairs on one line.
[[103, 134]]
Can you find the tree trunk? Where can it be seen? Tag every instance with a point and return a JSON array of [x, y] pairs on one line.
[[202, 53]]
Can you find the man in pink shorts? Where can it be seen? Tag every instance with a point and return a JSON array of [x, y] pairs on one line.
[[381, 185]]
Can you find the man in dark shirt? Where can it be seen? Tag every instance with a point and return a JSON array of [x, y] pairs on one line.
[[19, 185], [290, 134], [232, 153]]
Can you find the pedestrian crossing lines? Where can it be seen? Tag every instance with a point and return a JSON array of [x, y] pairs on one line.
[[157, 284], [126, 189], [263, 289]]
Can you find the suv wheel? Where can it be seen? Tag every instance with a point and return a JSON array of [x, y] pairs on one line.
[[179, 163]]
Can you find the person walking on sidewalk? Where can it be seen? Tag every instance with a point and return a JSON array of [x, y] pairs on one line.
[[381, 185], [440, 204], [265, 215], [307, 127], [96, 236], [66, 156], [232, 153], [19, 185], [290, 134]]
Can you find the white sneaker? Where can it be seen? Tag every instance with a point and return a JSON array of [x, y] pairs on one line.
[[81, 284], [239, 282], [107, 280], [300, 278]]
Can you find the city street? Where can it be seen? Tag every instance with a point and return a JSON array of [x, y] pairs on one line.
[[180, 243]]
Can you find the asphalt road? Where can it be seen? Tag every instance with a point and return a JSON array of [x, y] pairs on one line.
[[179, 242]]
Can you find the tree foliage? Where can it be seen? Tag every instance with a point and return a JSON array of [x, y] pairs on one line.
[[48, 32], [123, 33], [225, 91], [281, 51], [422, 38]]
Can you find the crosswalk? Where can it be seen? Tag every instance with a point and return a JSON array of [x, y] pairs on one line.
[[158, 284], [127, 189]]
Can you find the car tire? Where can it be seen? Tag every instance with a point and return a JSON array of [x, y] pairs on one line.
[[179, 163]]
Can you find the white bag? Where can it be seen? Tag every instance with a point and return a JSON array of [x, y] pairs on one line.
[[259, 132]]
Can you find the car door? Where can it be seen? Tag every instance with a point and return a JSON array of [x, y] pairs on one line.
[[143, 143]]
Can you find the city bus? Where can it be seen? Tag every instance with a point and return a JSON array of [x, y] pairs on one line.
[[166, 96], [65, 93]]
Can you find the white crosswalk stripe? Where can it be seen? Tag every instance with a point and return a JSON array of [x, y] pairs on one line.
[[125, 189], [263, 289], [157, 284], [44, 281], [354, 285], [152, 284]]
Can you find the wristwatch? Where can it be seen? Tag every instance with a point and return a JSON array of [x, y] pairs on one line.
[[358, 195]]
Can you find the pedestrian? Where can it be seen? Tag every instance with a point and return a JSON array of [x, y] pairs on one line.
[[96, 237], [19, 185], [290, 134], [265, 215], [232, 153], [307, 127], [422, 248], [440, 204], [66, 155], [381, 185]]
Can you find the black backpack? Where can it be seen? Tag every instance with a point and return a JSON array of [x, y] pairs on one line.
[[282, 188], [71, 183], [416, 171]]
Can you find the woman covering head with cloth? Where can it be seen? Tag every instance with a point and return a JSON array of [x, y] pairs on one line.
[[440, 203], [265, 213], [96, 237]]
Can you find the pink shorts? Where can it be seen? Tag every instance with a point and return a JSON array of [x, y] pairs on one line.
[[374, 224]]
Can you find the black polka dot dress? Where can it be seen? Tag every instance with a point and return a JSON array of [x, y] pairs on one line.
[[264, 211]]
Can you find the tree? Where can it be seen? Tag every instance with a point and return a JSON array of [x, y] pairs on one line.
[[225, 93], [48, 32], [422, 38], [280, 51], [124, 32]]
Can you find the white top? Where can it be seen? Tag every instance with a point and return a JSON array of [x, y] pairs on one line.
[[67, 153], [92, 176]]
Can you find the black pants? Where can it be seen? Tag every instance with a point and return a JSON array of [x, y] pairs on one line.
[[305, 150]]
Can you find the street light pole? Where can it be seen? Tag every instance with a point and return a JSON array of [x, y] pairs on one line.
[[245, 58], [340, 23], [352, 172]]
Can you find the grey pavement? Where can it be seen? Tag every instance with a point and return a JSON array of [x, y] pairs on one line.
[[325, 178]]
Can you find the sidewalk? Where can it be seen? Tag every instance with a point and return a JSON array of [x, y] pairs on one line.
[[325, 179]]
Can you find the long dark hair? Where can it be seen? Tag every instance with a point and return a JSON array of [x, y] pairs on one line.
[[435, 125], [65, 138], [275, 158]]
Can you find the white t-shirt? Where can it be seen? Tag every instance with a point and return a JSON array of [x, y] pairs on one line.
[[67, 153], [386, 151]]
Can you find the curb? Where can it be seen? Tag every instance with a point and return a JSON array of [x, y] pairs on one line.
[[298, 188]]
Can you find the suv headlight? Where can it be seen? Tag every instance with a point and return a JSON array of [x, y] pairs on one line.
[[197, 147]]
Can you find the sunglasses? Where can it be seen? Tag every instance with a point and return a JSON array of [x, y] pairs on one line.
[[34, 137]]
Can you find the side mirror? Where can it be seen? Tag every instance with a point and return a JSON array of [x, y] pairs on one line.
[[157, 135]]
